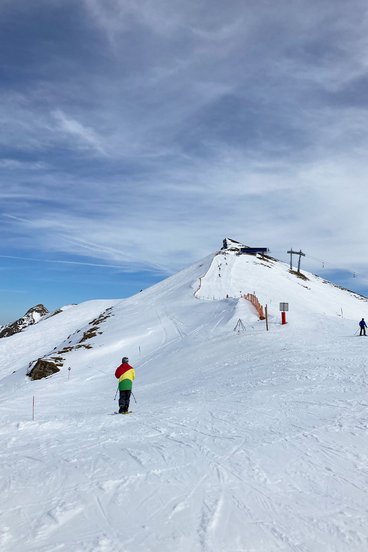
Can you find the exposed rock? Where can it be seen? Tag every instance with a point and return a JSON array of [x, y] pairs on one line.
[[94, 326], [232, 245], [299, 274], [31, 317], [43, 369], [88, 334]]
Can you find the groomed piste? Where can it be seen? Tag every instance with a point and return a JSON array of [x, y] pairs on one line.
[[240, 441]]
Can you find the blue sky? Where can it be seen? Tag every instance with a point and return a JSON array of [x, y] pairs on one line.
[[135, 136]]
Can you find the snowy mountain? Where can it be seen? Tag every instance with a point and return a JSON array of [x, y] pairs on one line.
[[251, 440], [32, 316]]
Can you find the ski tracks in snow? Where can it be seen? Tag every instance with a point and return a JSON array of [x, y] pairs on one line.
[[262, 459], [203, 484]]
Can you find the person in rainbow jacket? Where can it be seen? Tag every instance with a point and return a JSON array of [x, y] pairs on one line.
[[125, 374]]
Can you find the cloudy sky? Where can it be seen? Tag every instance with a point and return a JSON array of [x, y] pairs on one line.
[[137, 134]]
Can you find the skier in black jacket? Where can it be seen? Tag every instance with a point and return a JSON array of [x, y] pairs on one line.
[[363, 326]]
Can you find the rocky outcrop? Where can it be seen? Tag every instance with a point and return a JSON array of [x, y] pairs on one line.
[[31, 317], [44, 368], [232, 245]]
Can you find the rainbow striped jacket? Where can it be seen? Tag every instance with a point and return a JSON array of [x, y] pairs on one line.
[[125, 374]]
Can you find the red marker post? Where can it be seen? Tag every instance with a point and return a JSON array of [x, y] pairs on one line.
[[284, 307]]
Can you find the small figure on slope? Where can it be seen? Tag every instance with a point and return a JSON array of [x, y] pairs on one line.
[[125, 374], [363, 326]]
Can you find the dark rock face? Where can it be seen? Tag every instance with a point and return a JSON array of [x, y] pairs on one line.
[[43, 369], [32, 316], [40, 309]]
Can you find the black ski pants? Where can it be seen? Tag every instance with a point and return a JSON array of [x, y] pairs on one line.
[[362, 330], [124, 399]]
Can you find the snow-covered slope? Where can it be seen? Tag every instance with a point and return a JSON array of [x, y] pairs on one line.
[[255, 441], [37, 340], [272, 282]]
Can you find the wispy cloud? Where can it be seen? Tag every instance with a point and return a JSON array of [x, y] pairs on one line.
[[85, 136], [58, 261], [140, 129]]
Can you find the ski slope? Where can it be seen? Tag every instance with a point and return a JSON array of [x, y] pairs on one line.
[[256, 441]]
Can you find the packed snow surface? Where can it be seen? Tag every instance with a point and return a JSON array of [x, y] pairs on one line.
[[239, 442]]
